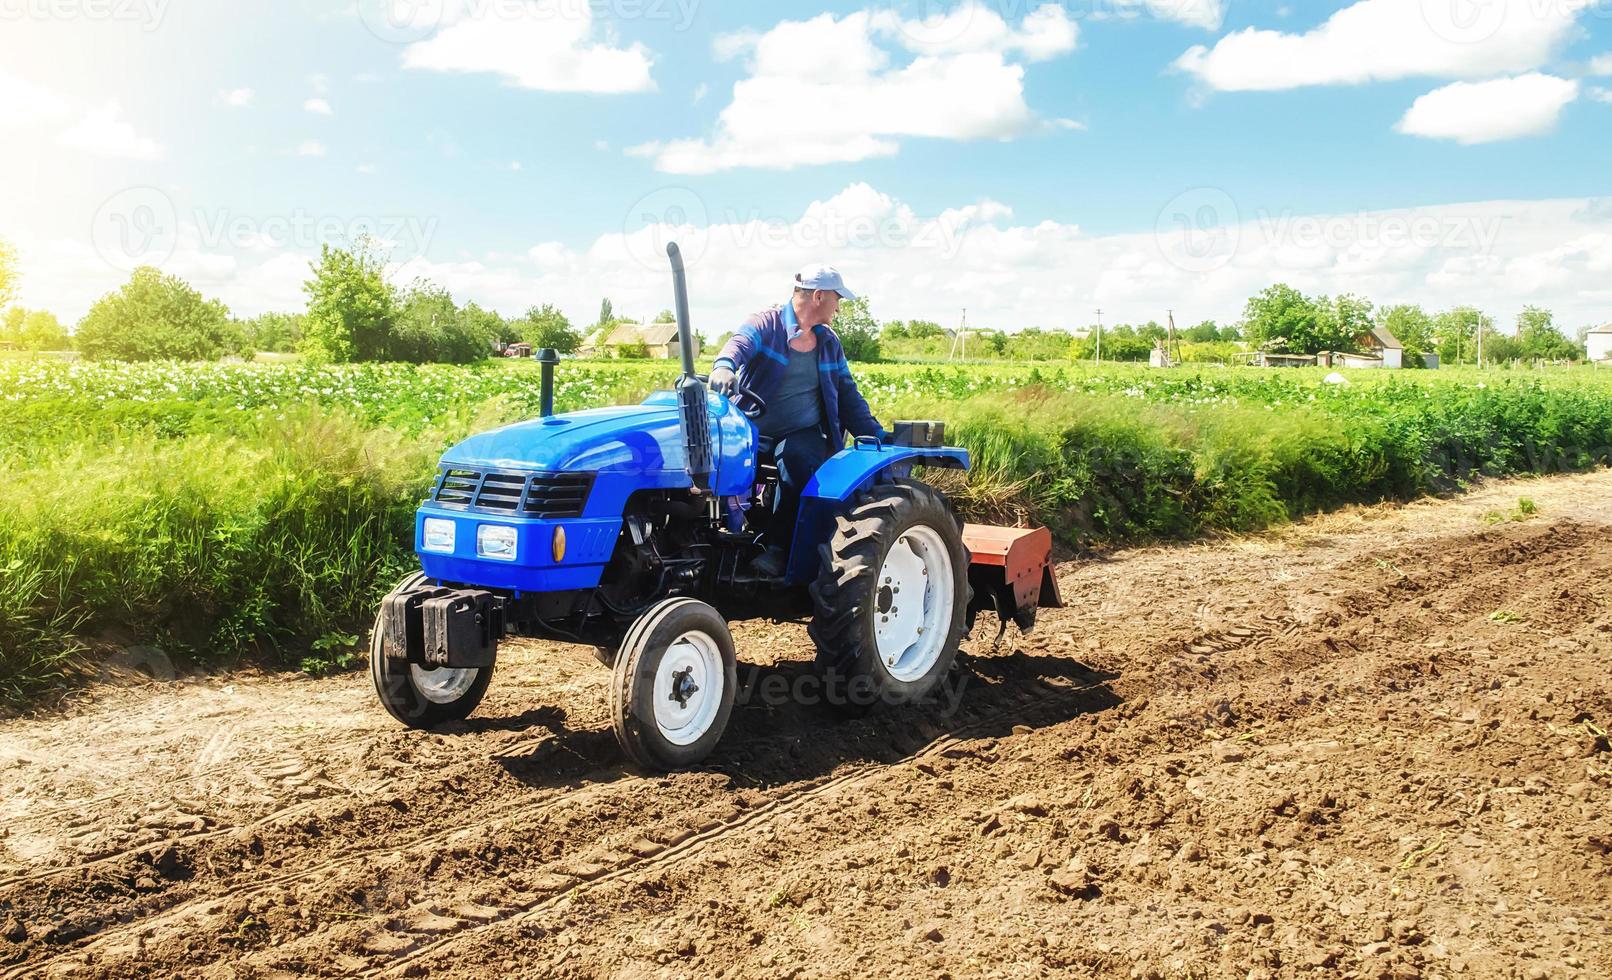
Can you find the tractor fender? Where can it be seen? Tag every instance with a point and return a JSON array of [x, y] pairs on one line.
[[844, 475]]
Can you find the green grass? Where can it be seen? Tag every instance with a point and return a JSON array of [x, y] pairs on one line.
[[222, 511]]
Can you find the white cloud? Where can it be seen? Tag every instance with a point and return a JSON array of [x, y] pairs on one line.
[[1601, 94], [318, 107], [103, 132], [310, 148], [1044, 33], [1487, 112], [235, 98], [1011, 271], [365, 168], [1207, 14], [959, 86], [320, 82], [548, 45], [1379, 40], [1601, 64], [23, 103]]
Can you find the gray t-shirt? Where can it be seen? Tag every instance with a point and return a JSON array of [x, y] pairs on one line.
[[798, 402]]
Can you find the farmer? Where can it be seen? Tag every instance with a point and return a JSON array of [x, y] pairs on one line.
[[792, 360]]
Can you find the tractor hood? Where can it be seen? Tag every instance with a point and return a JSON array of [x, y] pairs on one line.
[[639, 444], [593, 439]]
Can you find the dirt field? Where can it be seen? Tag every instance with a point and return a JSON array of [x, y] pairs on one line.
[[1371, 745]]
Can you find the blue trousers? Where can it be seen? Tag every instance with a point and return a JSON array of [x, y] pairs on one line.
[[799, 454]]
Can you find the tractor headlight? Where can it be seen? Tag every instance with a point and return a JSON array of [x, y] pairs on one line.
[[437, 535], [495, 541]]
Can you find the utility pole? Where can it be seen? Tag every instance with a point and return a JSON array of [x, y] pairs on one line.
[[960, 342], [1099, 336]]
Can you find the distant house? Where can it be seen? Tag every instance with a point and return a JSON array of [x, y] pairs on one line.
[[1265, 359], [1599, 343], [658, 339], [1389, 352]]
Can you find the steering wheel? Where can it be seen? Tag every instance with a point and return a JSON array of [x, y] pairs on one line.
[[756, 405]]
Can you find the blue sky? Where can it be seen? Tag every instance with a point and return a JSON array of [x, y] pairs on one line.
[[1030, 161]]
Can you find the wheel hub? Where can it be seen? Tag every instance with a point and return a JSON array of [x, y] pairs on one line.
[[683, 687], [914, 603], [690, 673]]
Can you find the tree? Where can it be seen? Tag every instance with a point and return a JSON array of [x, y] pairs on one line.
[[351, 305], [546, 326], [1536, 330], [33, 330], [1456, 334], [607, 312], [1279, 319], [894, 330], [1501, 348], [8, 273], [489, 324], [1204, 333], [1413, 328], [155, 317], [40, 330], [857, 330], [277, 332], [1283, 319], [665, 316]]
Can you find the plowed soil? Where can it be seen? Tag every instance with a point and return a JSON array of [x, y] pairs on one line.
[[1374, 744]]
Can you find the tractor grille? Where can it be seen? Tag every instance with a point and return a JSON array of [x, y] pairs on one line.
[[527, 494]]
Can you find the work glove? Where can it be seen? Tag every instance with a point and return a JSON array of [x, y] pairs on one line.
[[724, 380]]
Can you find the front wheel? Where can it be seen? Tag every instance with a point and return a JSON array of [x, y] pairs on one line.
[[672, 687], [422, 697], [891, 595]]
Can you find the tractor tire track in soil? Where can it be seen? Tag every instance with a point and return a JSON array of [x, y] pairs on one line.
[[1372, 743]]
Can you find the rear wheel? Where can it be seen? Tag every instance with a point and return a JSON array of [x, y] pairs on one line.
[[672, 687], [891, 596], [422, 697]]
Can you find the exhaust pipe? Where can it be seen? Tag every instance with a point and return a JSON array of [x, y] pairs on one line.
[[548, 357], [693, 417]]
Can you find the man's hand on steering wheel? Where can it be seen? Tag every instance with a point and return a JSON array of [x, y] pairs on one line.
[[724, 380]]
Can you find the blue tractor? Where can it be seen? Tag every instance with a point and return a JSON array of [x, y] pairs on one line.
[[631, 529]]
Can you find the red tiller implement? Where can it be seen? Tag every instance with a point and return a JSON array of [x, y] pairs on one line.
[[1011, 573]]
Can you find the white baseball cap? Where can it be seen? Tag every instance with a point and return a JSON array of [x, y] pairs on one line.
[[822, 277]]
